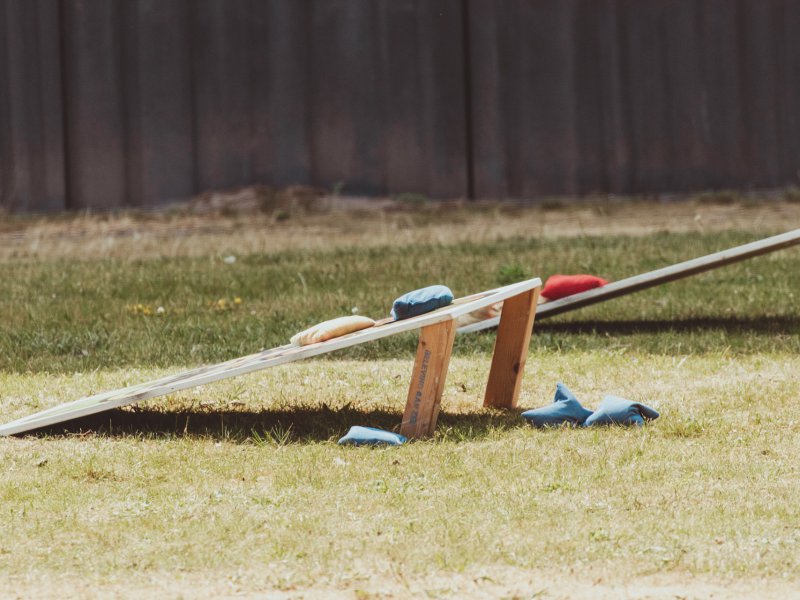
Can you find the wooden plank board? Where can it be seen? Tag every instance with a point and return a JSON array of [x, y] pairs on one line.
[[724, 118], [385, 98], [427, 379], [522, 73], [646, 94], [262, 360], [222, 83], [281, 86], [31, 106], [94, 104], [511, 350], [653, 278], [159, 149]]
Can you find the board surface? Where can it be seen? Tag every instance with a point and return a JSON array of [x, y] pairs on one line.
[[261, 360], [653, 278]]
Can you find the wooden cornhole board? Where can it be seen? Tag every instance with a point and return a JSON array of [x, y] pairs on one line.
[[437, 332], [653, 278]]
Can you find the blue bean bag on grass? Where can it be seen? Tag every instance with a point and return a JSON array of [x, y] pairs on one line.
[[421, 301], [618, 411], [564, 409], [371, 436]]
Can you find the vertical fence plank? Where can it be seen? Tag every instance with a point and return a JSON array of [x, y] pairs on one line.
[[7, 157], [760, 91], [423, 65], [280, 87], [24, 99], [647, 94], [684, 82], [523, 87], [601, 159], [722, 108], [441, 153], [158, 101], [404, 134], [95, 125], [487, 120], [223, 92], [54, 196], [789, 91], [546, 118], [34, 173], [346, 96]]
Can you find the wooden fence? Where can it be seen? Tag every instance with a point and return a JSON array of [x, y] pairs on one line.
[[111, 103]]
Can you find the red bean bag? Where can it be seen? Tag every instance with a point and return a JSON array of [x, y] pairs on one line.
[[561, 286]]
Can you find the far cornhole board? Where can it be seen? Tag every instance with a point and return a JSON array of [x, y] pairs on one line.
[[427, 379], [653, 278]]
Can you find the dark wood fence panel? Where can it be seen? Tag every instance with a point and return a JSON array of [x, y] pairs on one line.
[[633, 96], [31, 135], [789, 90], [523, 97], [686, 115], [346, 94], [94, 95], [724, 119], [423, 64], [760, 35], [387, 96], [645, 63], [603, 159], [113, 103], [222, 73], [158, 101], [281, 101]]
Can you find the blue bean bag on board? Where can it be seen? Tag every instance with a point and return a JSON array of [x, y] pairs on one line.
[[421, 301], [618, 411], [371, 436], [564, 409]]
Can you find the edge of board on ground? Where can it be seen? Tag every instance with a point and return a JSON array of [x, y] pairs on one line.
[[653, 278], [437, 332]]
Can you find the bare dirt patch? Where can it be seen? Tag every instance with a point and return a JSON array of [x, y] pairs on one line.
[[481, 584], [254, 221]]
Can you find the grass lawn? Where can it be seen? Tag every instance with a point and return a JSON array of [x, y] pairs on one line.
[[238, 488]]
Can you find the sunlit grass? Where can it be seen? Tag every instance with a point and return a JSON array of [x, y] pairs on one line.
[[239, 486], [245, 474], [79, 315]]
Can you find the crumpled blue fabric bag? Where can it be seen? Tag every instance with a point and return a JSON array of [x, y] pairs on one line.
[[421, 301], [371, 436], [619, 411], [564, 409]]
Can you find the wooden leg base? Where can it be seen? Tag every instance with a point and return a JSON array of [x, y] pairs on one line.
[[511, 350], [427, 379]]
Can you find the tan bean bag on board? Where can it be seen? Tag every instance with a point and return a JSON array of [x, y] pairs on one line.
[[328, 330]]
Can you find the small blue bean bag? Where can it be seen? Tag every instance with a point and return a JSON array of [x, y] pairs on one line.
[[618, 411], [421, 301], [370, 436], [564, 409]]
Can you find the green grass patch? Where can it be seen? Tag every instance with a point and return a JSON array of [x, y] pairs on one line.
[[244, 475], [64, 316], [241, 482]]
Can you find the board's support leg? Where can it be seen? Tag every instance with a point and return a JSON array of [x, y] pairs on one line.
[[511, 350], [427, 380]]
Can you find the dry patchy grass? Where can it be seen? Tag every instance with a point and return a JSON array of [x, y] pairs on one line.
[[238, 488], [243, 477], [355, 223]]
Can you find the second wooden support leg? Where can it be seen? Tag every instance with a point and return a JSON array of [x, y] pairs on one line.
[[511, 350], [427, 380]]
